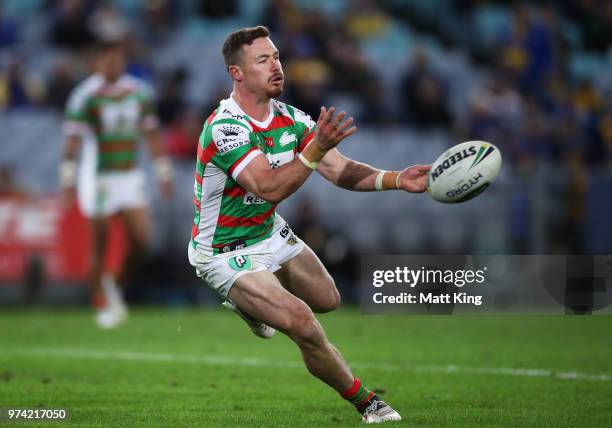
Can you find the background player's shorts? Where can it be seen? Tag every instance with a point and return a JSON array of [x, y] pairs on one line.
[[221, 271], [108, 193], [86, 192]]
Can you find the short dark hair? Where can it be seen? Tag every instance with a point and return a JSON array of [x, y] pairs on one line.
[[234, 42]]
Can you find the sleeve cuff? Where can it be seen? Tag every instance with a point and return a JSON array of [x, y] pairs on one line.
[[242, 163]]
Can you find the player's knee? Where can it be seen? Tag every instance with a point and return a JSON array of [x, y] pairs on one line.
[[304, 329], [335, 299], [330, 301]]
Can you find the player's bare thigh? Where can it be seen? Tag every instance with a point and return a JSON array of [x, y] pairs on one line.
[[261, 295], [305, 277]]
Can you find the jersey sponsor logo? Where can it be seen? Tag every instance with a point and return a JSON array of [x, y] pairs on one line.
[[229, 137], [269, 141], [233, 115], [298, 111], [240, 263], [285, 231], [304, 118], [286, 138], [251, 199], [233, 246], [278, 159], [120, 117], [226, 145], [229, 130]]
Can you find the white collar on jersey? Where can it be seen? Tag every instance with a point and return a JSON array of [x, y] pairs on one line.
[[263, 124]]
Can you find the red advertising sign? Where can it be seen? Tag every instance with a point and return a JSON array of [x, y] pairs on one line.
[[41, 227]]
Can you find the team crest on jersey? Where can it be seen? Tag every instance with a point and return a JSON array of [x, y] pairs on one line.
[[286, 138], [269, 141]]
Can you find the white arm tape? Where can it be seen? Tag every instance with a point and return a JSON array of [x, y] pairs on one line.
[[378, 184]]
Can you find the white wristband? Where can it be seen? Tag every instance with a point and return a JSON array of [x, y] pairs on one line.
[[67, 173], [378, 184], [311, 165]]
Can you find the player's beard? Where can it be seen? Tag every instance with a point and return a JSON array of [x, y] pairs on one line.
[[274, 92]]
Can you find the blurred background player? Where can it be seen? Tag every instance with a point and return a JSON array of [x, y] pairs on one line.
[[110, 112]]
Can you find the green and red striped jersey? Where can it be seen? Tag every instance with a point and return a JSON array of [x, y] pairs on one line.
[[227, 215], [116, 113]]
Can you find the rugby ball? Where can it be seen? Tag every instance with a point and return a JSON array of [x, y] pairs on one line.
[[464, 172]]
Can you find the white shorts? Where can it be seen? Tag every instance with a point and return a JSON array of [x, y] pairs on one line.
[[109, 193], [221, 271]]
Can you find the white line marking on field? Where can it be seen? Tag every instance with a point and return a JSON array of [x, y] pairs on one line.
[[260, 362]]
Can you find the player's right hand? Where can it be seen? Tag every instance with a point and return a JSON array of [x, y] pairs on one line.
[[331, 130]]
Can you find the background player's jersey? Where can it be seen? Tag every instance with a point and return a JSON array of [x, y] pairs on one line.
[[228, 217], [116, 113]]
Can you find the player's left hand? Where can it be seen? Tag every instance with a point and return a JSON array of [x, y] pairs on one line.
[[414, 178]]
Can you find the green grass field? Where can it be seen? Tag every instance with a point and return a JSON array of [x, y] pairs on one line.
[[204, 368]]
